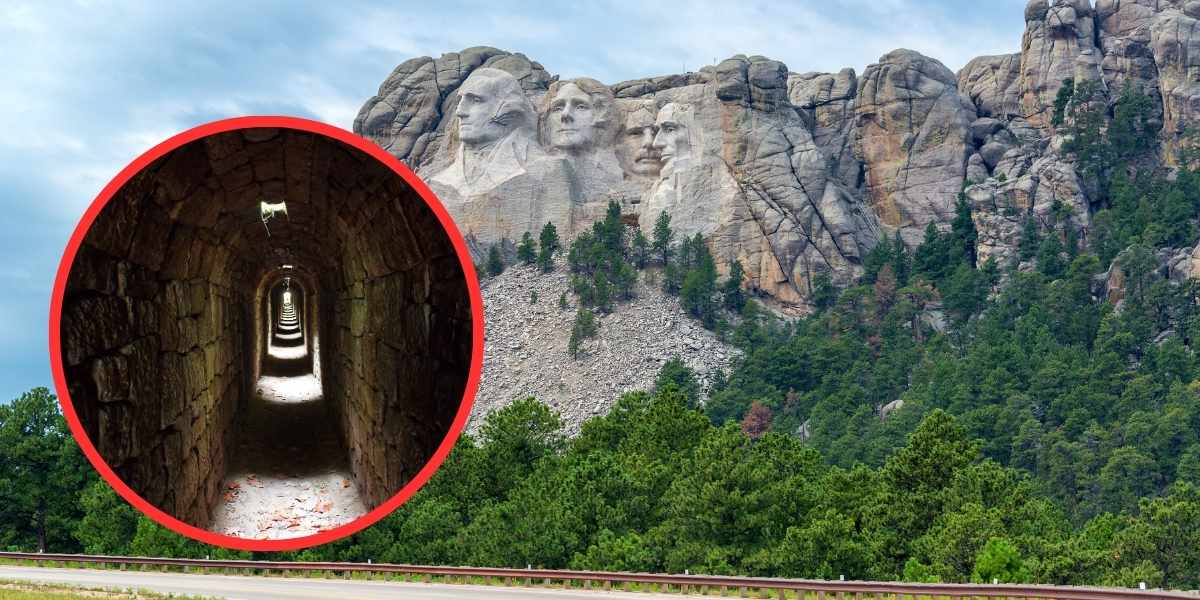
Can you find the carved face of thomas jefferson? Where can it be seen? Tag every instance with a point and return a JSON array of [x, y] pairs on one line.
[[490, 106], [572, 118], [578, 116]]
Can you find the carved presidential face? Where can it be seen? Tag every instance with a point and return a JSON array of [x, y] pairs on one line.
[[674, 137], [572, 118], [635, 145], [490, 105]]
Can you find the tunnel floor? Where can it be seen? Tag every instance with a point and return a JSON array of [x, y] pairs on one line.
[[289, 475]]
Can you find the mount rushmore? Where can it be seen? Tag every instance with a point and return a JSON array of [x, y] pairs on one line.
[[791, 174]]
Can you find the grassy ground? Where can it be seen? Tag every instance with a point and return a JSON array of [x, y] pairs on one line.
[[23, 590], [695, 591]]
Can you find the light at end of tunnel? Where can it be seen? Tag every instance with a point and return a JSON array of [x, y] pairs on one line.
[[287, 297], [287, 267]]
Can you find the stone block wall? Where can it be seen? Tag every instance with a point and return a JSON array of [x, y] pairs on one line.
[[152, 336], [402, 340]]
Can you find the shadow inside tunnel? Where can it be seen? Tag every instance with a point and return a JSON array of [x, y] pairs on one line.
[[290, 473]]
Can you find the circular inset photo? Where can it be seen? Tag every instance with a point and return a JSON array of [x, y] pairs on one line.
[[266, 333]]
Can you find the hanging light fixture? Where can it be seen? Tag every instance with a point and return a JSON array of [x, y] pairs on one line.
[[268, 211]]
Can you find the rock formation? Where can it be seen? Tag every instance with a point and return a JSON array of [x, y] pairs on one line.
[[913, 135], [795, 173]]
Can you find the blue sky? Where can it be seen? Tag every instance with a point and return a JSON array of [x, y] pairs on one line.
[[89, 85]]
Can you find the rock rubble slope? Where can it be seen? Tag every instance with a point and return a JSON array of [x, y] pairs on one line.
[[525, 347]]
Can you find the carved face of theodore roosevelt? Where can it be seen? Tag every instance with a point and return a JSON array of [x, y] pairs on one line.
[[490, 106], [635, 145]]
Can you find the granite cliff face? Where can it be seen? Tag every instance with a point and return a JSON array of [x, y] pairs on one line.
[[790, 174]]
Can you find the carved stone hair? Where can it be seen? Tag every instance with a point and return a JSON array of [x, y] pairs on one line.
[[607, 121]]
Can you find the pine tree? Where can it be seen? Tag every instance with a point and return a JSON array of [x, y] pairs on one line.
[[1049, 256], [734, 297], [662, 237], [526, 251], [881, 254], [545, 261], [901, 261], [585, 327], [824, 294], [602, 292], [1065, 92], [641, 249], [963, 229], [549, 245], [1028, 246], [623, 280], [549, 238], [495, 264]]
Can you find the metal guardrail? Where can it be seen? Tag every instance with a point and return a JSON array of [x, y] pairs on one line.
[[839, 590]]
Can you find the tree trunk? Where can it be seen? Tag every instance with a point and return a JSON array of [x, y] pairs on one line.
[[41, 532]]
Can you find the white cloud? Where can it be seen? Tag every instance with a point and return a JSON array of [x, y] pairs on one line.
[[330, 105]]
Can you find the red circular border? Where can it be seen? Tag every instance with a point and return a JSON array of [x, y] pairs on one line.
[[346, 137]]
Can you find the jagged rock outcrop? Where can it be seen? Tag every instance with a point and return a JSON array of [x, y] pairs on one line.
[[912, 133], [1124, 36], [993, 83], [1175, 41], [1059, 43], [1043, 188], [826, 101]]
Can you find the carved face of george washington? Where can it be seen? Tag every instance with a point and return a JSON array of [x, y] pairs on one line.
[[490, 106]]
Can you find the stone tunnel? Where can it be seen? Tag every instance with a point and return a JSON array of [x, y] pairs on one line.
[[265, 303]]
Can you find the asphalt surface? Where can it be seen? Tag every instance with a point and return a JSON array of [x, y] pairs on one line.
[[236, 587]]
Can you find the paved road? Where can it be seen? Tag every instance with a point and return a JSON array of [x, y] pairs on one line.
[[278, 588]]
